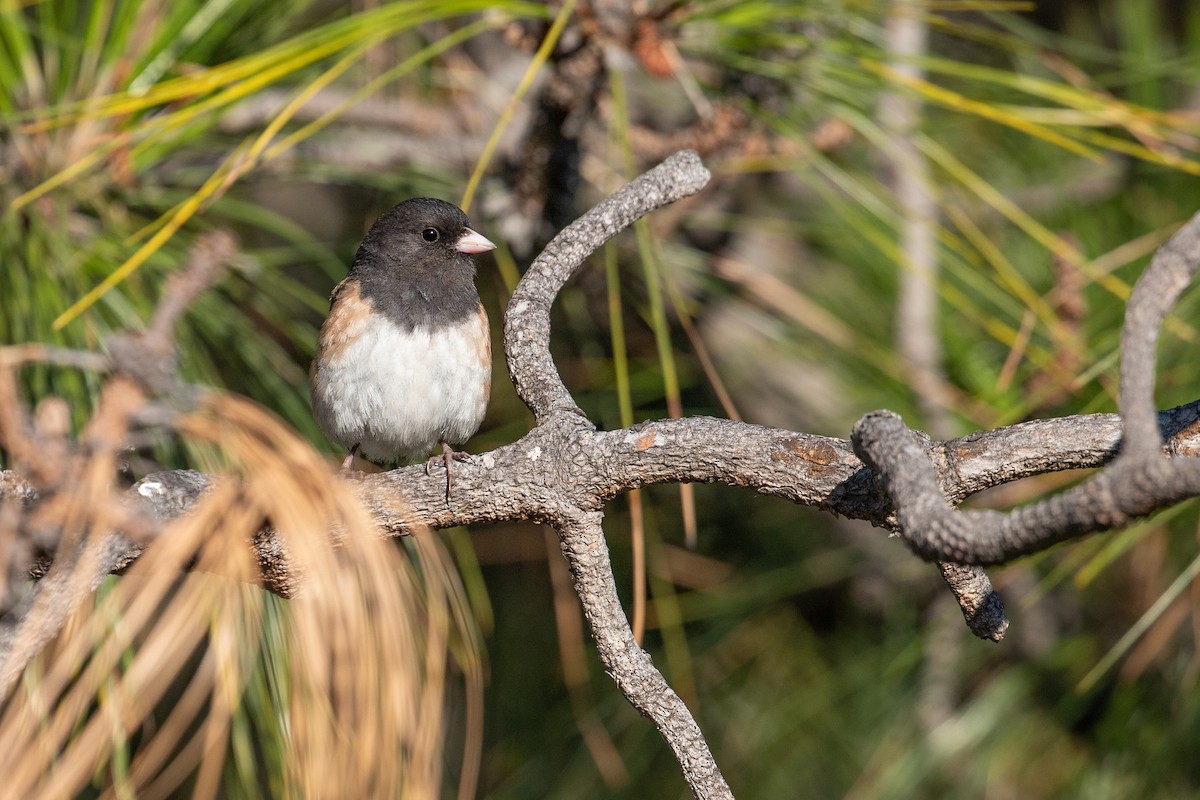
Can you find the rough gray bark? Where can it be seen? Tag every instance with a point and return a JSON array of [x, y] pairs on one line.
[[1142, 479], [563, 472]]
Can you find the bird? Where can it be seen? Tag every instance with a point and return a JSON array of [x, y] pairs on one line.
[[404, 357]]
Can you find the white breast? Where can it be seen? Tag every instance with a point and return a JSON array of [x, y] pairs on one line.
[[397, 394]]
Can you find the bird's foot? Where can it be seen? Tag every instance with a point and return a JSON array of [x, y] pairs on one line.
[[348, 462], [446, 457]]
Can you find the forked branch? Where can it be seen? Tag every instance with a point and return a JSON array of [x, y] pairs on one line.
[[563, 472]]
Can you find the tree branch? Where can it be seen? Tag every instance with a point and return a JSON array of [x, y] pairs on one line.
[[527, 319], [564, 471], [625, 661], [1140, 481], [1154, 295]]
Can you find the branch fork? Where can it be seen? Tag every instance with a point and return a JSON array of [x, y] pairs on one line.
[[564, 470]]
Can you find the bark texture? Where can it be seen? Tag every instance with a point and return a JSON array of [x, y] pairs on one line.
[[564, 471]]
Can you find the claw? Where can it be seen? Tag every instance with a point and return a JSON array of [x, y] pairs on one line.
[[348, 462], [447, 456]]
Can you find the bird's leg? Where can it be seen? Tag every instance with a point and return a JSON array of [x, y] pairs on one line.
[[349, 461], [448, 455]]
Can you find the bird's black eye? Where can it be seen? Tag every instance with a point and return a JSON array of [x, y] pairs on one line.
[[430, 234]]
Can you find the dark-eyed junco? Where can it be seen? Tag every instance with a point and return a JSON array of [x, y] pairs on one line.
[[404, 359]]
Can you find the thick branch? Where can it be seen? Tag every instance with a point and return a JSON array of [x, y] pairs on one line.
[[1123, 492], [1139, 482], [568, 459], [816, 471]]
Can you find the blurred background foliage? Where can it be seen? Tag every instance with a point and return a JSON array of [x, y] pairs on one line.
[[933, 206]]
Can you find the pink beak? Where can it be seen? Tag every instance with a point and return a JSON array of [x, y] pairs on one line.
[[472, 242]]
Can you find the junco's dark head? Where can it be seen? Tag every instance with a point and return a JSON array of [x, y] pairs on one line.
[[415, 264], [422, 238]]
